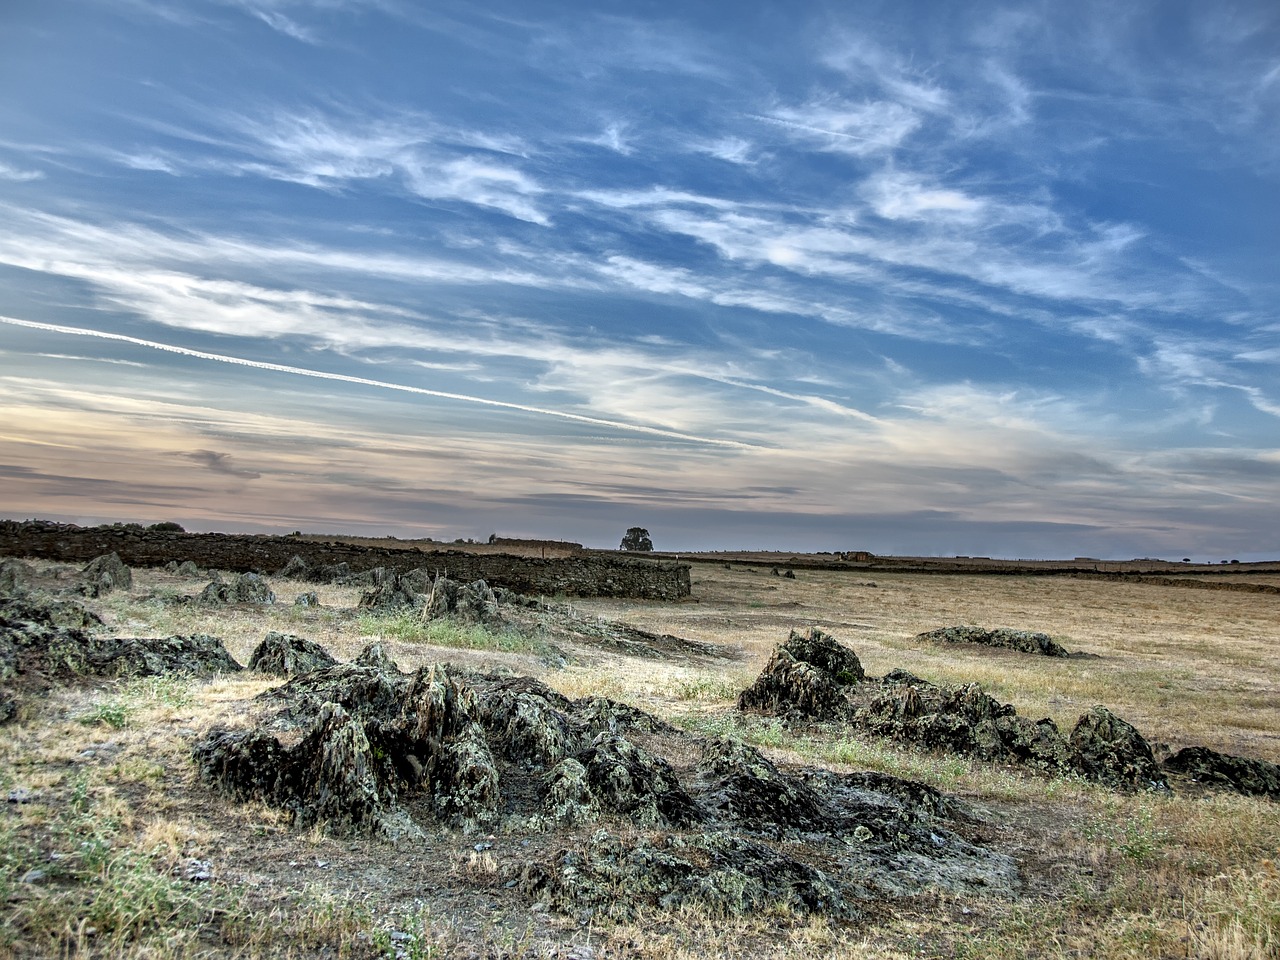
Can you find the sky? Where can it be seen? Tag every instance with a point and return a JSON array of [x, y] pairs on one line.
[[913, 277]]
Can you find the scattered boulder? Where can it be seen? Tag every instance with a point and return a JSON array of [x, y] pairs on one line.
[[792, 688], [188, 568], [823, 651], [1223, 771], [308, 599], [44, 641], [1023, 641], [198, 654], [103, 574], [1111, 751], [394, 594], [286, 655], [375, 655], [330, 573], [243, 588], [295, 569], [804, 677]]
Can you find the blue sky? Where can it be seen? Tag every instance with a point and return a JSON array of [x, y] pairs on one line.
[[913, 277]]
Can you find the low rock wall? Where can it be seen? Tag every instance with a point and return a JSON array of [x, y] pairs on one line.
[[587, 576]]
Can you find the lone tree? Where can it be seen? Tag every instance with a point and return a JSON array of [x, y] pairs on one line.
[[637, 538]]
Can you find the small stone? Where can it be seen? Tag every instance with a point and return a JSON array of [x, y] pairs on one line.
[[34, 875]]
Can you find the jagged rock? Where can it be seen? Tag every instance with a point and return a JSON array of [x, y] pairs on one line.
[[715, 873], [44, 640], [393, 594], [308, 599], [286, 655], [793, 688], [626, 779], [470, 602], [295, 569], [331, 777], [196, 655], [103, 574], [14, 575], [789, 575], [963, 720], [823, 651], [376, 657], [330, 573], [243, 588], [380, 752], [1253, 778], [1111, 751], [1024, 641], [188, 568], [743, 787]]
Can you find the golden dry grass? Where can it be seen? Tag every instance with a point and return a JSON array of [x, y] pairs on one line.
[[1109, 876]]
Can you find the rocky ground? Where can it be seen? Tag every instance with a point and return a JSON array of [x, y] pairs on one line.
[[504, 815]]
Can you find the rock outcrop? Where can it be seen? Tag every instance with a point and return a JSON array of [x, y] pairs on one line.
[[381, 753], [1024, 641]]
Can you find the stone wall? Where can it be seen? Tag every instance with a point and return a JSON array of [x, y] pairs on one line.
[[587, 576]]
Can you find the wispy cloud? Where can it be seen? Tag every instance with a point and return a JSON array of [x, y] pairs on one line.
[[8, 172]]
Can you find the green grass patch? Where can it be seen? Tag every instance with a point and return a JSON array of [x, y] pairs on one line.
[[408, 626], [139, 693]]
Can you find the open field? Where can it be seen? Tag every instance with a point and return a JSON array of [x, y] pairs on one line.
[[138, 858]]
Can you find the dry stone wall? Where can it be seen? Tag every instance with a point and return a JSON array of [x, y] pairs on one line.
[[588, 576]]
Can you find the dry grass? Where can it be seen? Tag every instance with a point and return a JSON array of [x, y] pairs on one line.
[[117, 811]]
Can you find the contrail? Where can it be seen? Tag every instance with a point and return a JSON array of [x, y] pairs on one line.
[[381, 384]]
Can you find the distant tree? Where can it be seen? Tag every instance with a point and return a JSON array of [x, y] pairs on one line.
[[493, 537], [637, 538], [167, 526]]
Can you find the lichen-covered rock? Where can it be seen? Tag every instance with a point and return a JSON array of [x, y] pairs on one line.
[[287, 655], [793, 688], [823, 651], [714, 873], [962, 720], [188, 568], [14, 575], [243, 588], [44, 640], [740, 785], [308, 599], [374, 655], [384, 754], [395, 593], [330, 573], [295, 569], [103, 574], [198, 654], [1112, 751], [627, 779], [467, 602], [1223, 771], [1024, 641], [331, 777]]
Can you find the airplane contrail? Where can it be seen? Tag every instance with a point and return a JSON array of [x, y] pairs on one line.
[[381, 384]]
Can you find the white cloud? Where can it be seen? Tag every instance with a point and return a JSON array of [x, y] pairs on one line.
[[901, 196], [13, 173]]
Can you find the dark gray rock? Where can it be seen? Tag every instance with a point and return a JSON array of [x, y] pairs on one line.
[[1112, 751], [1223, 771], [1023, 641], [286, 655], [104, 574], [243, 588]]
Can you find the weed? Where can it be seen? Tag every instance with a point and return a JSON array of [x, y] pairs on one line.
[[409, 627]]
